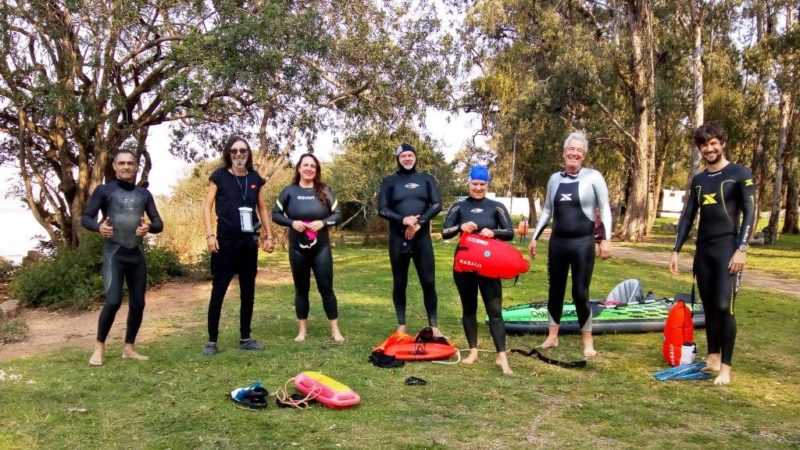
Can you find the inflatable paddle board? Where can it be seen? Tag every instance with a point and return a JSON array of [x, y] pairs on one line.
[[614, 318]]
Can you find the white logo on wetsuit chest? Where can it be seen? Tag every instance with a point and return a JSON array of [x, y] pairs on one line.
[[305, 197], [411, 185], [476, 210], [566, 197]]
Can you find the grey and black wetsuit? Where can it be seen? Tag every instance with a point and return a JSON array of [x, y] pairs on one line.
[[238, 250], [411, 193], [721, 197], [123, 256], [571, 201], [492, 215], [299, 203]]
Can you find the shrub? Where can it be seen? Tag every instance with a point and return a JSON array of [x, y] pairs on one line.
[[72, 277], [6, 270], [13, 331]]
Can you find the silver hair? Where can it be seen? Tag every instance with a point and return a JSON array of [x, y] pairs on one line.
[[580, 136]]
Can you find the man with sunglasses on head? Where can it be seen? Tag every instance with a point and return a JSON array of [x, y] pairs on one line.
[[123, 227], [722, 194], [409, 199], [235, 192]]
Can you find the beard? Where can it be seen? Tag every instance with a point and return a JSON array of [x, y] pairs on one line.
[[713, 161], [239, 164]]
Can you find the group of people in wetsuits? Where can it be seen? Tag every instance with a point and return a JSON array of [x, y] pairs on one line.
[[409, 199]]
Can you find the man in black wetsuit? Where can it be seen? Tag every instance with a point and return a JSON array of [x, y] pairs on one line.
[[409, 199], [123, 226], [572, 197], [721, 193]]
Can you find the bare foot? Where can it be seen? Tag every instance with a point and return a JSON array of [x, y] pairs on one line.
[[713, 362], [132, 354], [550, 342], [96, 359], [402, 329], [472, 357], [588, 345], [302, 330], [335, 333], [724, 376], [502, 363]]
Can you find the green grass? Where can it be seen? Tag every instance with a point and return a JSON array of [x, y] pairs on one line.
[[176, 399], [779, 259]]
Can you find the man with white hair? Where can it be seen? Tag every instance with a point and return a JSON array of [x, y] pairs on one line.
[[572, 197]]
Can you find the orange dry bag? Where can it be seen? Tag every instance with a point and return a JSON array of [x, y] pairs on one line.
[[678, 346]]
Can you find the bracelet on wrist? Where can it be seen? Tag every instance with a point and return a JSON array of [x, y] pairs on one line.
[[209, 236], [269, 238]]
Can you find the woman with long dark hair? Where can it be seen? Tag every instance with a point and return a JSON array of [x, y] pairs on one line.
[[308, 207], [235, 191]]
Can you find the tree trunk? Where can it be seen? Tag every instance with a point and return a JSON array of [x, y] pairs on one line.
[[771, 232], [634, 225], [790, 221], [696, 8], [787, 110], [760, 165]]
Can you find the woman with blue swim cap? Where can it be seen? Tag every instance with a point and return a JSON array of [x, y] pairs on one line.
[[488, 219]]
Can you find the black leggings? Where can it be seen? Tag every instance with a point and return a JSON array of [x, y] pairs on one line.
[[468, 284], [128, 264], [400, 256], [319, 259], [718, 292], [233, 257], [562, 254]]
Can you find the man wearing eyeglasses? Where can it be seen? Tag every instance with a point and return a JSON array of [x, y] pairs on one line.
[[572, 197], [123, 227], [722, 193]]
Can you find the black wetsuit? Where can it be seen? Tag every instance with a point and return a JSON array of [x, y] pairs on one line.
[[123, 256], [571, 202], [720, 197], [299, 203], [494, 216], [238, 250], [411, 193]]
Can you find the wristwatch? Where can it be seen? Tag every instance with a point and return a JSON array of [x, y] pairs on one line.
[[743, 248]]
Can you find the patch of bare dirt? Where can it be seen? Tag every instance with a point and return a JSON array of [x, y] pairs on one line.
[[167, 310], [750, 277]]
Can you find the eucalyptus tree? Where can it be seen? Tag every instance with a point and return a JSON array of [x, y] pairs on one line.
[[584, 65], [80, 79]]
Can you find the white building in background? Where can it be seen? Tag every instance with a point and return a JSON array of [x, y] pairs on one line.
[[672, 203], [517, 206]]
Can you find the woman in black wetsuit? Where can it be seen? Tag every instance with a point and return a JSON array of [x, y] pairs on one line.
[[308, 207], [490, 219]]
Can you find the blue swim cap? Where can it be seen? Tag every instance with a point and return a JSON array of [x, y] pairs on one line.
[[479, 173]]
